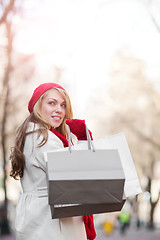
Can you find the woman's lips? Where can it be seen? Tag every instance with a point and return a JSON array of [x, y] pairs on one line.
[[57, 118]]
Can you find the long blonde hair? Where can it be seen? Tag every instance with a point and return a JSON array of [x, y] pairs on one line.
[[17, 157]]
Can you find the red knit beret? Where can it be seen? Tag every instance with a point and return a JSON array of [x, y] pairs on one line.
[[39, 91]]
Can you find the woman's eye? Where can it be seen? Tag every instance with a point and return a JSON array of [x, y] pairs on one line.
[[51, 103], [64, 105]]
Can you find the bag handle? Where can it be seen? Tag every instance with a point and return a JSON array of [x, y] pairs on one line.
[[69, 139], [90, 142]]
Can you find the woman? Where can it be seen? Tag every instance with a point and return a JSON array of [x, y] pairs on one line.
[[44, 130]]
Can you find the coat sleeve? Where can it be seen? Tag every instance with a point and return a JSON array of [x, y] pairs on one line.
[[53, 143]]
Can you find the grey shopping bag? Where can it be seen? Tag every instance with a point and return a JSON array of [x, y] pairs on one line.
[[63, 211], [79, 178]]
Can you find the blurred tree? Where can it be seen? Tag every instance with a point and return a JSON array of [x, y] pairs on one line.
[[4, 101], [135, 111], [153, 7], [131, 104], [7, 8], [11, 61]]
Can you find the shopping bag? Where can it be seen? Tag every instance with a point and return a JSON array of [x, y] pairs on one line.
[[84, 177], [69, 210], [118, 141]]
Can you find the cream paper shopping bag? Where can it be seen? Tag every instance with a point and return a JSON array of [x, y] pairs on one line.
[[118, 141]]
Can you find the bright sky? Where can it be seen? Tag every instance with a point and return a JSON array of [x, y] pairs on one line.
[[83, 35]]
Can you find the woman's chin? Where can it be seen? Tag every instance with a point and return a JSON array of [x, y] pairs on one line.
[[55, 125]]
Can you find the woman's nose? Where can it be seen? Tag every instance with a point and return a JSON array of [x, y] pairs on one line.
[[58, 108]]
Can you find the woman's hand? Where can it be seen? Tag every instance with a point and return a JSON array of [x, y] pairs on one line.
[[78, 128]]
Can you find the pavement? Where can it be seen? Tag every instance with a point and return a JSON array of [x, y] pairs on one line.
[[131, 234], [7, 237]]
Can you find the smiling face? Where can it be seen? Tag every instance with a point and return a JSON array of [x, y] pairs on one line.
[[53, 108]]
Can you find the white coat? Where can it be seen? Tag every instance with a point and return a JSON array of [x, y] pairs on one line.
[[33, 217]]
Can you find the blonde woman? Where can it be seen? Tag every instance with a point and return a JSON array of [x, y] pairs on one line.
[[44, 130]]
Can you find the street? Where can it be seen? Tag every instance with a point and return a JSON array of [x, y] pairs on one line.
[[131, 234], [7, 237]]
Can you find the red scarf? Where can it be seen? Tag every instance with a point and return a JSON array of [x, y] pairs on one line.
[[88, 219]]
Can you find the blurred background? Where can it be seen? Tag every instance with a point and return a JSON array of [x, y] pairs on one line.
[[106, 54]]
